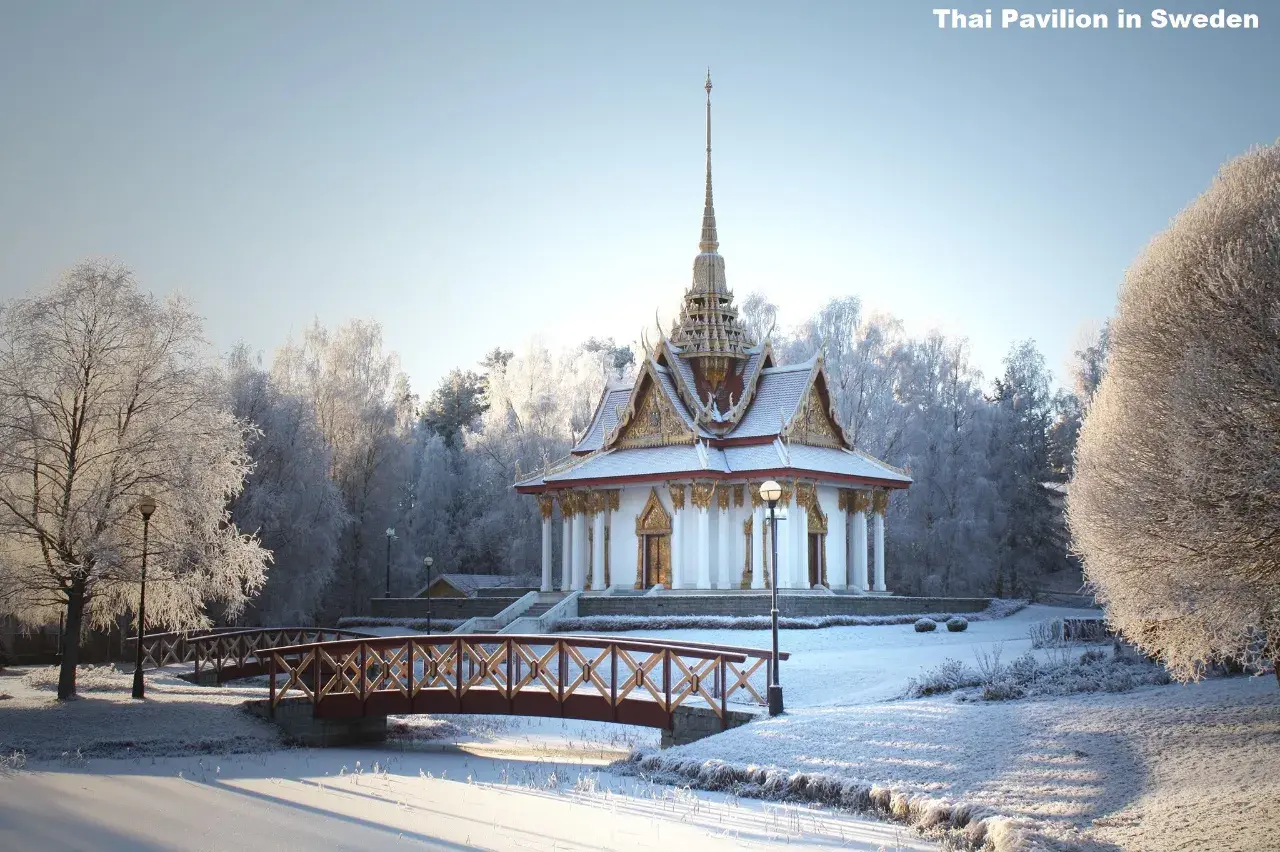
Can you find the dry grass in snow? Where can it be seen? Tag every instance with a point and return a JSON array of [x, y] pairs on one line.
[[175, 718]]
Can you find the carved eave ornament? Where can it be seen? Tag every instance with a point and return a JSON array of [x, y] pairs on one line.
[[649, 419], [814, 421]]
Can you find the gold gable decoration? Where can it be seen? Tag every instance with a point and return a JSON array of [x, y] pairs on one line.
[[656, 423], [812, 423], [817, 524], [653, 518]]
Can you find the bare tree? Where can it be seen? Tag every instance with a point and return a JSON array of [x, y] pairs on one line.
[[105, 397], [1175, 505]]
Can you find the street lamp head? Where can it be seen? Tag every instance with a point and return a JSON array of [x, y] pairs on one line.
[[391, 532], [146, 506], [771, 492], [428, 561]]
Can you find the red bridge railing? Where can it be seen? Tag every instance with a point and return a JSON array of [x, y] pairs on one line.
[[230, 653], [632, 681]]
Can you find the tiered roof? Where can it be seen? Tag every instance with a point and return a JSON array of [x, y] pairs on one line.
[[711, 403]]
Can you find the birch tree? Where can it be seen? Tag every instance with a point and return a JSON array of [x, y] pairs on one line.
[[105, 397]]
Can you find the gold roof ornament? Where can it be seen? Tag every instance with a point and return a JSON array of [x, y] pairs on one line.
[[708, 330]]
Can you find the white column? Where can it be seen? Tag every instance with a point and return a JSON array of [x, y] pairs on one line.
[[580, 551], [800, 541], [860, 549], [837, 551], [546, 554], [597, 552], [879, 545], [724, 550], [704, 548], [677, 549], [566, 555], [758, 520]]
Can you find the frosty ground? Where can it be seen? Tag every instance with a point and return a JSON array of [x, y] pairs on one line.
[[1172, 767]]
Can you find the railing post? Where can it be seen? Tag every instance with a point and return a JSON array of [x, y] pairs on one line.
[[271, 706], [315, 686], [666, 682], [561, 677], [409, 657], [458, 673], [511, 693], [724, 695], [363, 684], [613, 679]]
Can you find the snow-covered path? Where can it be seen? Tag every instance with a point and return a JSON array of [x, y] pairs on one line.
[[439, 800]]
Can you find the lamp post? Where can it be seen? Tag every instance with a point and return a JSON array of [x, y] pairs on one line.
[[771, 492], [427, 562], [146, 506], [391, 533]]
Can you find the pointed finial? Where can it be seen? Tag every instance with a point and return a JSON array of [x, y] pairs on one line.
[[709, 241]]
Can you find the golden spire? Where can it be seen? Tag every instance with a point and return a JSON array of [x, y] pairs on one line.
[[709, 241]]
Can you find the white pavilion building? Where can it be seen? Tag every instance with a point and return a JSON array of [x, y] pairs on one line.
[[663, 489]]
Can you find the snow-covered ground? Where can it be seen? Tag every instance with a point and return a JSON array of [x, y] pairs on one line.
[[854, 665], [1159, 768]]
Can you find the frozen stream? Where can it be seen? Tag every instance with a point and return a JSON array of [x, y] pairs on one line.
[[442, 798]]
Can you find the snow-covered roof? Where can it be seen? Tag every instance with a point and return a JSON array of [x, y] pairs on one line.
[[699, 459], [778, 394], [681, 458], [606, 417], [470, 584]]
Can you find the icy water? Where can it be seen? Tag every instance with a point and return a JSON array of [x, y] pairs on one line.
[[437, 797]]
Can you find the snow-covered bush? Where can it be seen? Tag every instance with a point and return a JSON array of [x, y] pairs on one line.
[[1173, 505], [926, 625], [1027, 676], [1059, 631], [12, 762], [957, 624], [438, 625], [948, 676]]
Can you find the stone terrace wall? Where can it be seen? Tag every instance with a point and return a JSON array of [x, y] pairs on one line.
[[458, 609], [794, 606]]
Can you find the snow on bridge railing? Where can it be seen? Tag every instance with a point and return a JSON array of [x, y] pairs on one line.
[[633, 681]]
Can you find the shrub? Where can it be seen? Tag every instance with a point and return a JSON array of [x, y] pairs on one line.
[[926, 625], [948, 676], [957, 624]]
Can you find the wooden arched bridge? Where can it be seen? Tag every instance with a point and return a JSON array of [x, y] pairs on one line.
[[342, 675]]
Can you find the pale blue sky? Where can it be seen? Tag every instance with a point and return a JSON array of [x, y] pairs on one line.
[[471, 173]]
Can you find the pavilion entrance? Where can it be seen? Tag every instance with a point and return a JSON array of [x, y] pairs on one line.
[[817, 547], [653, 537]]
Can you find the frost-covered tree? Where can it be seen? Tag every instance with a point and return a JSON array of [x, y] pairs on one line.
[[364, 410], [1032, 539], [106, 396], [288, 501], [1175, 506], [759, 316], [941, 536]]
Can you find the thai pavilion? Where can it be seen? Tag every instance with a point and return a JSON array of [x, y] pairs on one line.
[[663, 488]]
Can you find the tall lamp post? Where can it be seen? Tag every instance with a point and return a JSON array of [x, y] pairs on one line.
[[771, 493], [427, 562], [146, 506], [391, 533]]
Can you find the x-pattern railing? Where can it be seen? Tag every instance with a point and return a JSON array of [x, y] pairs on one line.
[[629, 680], [231, 653]]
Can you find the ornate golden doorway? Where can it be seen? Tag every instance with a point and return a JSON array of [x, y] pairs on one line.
[[817, 546], [653, 539]]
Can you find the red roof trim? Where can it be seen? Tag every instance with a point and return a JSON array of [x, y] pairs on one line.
[[777, 472]]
